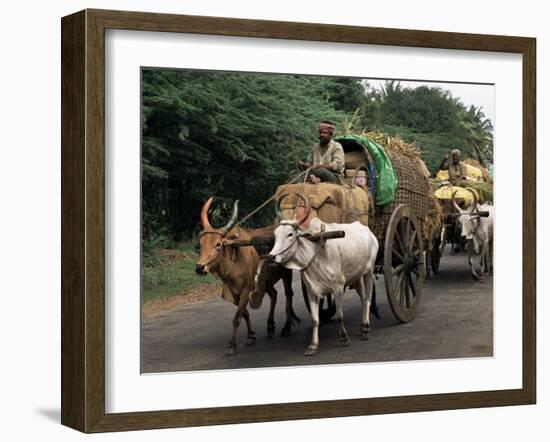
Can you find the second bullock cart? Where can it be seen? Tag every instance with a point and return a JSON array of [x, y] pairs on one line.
[[388, 191]]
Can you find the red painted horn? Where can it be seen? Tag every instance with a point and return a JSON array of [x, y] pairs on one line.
[[307, 208], [305, 214]]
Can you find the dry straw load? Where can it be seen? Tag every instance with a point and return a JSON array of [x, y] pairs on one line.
[[486, 177], [432, 222], [413, 187], [483, 189], [332, 203], [478, 178], [395, 144]]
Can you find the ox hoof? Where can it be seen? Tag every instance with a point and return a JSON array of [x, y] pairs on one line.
[[345, 341], [230, 351], [364, 333], [270, 332], [285, 331], [250, 340], [311, 350]]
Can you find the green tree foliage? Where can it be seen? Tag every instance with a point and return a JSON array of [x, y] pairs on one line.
[[346, 94], [370, 109], [433, 119], [232, 135], [422, 109], [479, 134]]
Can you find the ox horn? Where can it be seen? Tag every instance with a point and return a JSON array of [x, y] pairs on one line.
[[476, 198], [456, 206], [305, 215], [233, 219], [204, 214], [278, 211], [304, 198]]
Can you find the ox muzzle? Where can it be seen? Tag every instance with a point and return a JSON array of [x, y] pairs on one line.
[[201, 269]]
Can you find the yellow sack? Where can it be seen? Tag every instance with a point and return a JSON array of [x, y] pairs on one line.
[[446, 193], [471, 171]]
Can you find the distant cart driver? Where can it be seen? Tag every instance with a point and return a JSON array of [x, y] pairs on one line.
[[457, 169], [328, 157]]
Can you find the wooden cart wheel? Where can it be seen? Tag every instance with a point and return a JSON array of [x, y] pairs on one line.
[[404, 268], [327, 307]]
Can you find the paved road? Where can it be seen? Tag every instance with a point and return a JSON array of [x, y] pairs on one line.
[[454, 321]]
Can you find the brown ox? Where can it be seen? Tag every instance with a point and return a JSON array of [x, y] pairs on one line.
[[236, 267]]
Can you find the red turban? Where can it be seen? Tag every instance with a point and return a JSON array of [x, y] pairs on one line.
[[328, 127]]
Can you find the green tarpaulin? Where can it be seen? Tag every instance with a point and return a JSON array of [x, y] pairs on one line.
[[387, 178]]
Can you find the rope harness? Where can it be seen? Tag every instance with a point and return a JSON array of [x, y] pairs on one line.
[[223, 275], [266, 202], [242, 220], [475, 217]]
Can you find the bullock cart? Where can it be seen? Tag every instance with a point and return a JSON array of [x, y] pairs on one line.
[[452, 200], [449, 231], [460, 224], [394, 199]]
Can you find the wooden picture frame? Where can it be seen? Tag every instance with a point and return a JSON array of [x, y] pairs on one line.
[[83, 220]]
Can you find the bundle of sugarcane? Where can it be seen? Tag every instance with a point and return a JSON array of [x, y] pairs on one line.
[[394, 144]]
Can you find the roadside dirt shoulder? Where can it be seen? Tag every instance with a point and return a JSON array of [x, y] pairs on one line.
[[195, 296]]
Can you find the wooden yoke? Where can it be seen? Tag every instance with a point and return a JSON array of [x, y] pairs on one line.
[[323, 236], [315, 237]]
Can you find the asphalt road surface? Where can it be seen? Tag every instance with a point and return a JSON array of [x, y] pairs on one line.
[[454, 320]]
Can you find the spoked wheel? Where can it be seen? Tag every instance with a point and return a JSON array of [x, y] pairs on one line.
[[404, 268], [327, 307]]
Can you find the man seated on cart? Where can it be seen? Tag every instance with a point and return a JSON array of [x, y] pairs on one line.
[[457, 169], [328, 157]]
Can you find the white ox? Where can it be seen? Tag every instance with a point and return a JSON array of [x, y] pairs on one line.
[[477, 227], [328, 268]]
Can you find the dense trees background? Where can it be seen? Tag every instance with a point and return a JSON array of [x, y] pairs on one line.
[[432, 118], [236, 135]]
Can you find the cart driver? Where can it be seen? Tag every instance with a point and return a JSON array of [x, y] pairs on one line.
[[328, 157], [457, 169]]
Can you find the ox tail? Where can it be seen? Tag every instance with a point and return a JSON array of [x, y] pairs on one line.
[[373, 305]]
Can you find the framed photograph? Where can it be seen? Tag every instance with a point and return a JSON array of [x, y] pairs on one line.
[[214, 166]]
